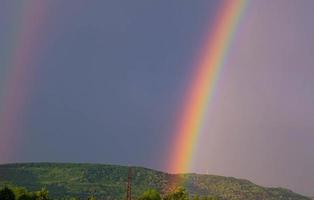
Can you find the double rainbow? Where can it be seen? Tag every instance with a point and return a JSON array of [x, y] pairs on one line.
[[201, 91], [213, 55]]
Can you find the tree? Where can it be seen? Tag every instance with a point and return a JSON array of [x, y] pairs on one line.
[[43, 194], [27, 197], [18, 191], [178, 194], [6, 194], [91, 198], [150, 194]]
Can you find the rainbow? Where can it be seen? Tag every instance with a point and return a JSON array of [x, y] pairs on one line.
[[24, 46], [201, 91]]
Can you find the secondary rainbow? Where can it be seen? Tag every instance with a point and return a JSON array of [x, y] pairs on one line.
[[22, 50], [212, 58]]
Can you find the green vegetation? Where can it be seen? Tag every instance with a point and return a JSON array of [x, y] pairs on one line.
[[150, 194], [17, 193], [6, 194], [94, 181], [177, 194]]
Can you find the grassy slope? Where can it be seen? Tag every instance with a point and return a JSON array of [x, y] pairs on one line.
[[82, 180]]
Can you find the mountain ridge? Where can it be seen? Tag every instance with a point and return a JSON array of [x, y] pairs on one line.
[[107, 181]]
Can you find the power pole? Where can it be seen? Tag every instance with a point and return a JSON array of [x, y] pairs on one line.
[[129, 189]]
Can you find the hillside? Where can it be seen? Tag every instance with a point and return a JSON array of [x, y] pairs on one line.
[[109, 181]]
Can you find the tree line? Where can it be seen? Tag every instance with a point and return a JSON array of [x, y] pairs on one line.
[[178, 193], [7, 193]]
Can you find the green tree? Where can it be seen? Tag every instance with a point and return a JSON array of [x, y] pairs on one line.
[[6, 194], [27, 197], [43, 194], [18, 191], [91, 198], [150, 194], [178, 194]]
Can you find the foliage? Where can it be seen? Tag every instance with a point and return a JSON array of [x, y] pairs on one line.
[[6, 194], [91, 198], [42, 194], [150, 194], [27, 197], [65, 181], [178, 194], [18, 193]]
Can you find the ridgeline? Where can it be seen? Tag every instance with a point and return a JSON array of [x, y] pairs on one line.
[[109, 182]]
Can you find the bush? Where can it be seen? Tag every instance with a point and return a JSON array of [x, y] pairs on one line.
[[6, 194], [178, 194], [150, 195], [27, 197]]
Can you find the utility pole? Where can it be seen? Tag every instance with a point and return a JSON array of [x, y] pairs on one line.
[[129, 189]]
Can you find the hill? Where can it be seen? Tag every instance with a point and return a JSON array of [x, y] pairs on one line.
[[109, 182]]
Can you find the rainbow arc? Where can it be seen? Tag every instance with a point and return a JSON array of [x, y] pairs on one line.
[[212, 58]]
